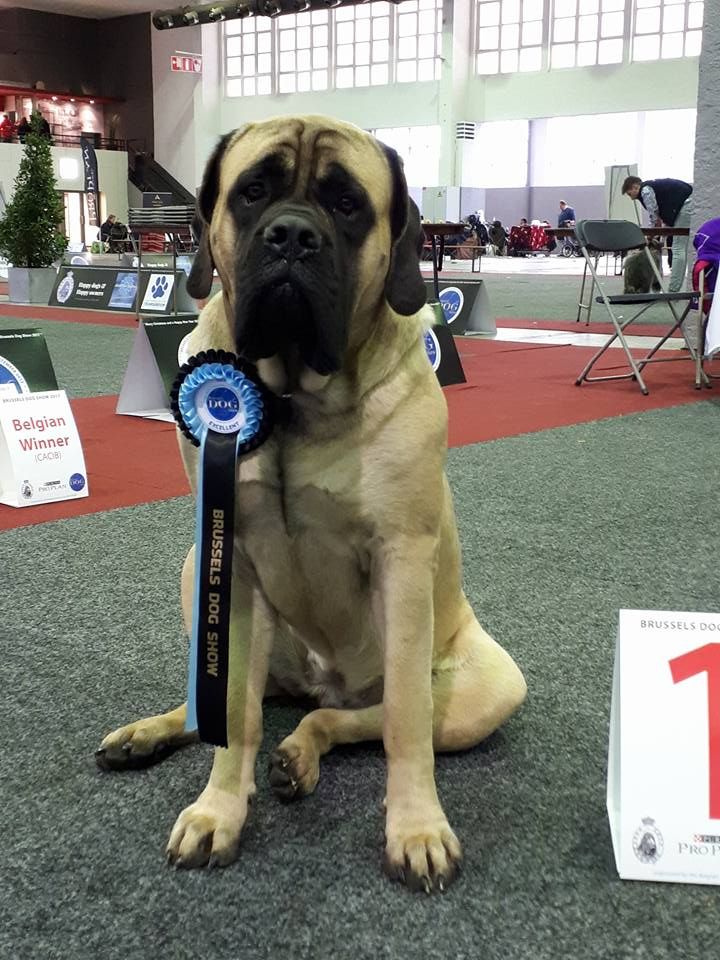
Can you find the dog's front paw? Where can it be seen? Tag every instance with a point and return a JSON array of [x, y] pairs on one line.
[[422, 852], [144, 742], [207, 833]]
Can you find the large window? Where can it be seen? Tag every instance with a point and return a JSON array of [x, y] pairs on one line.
[[571, 151], [362, 45], [586, 32], [419, 148], [522, 35], [358, 46], [509, 35], [248, 52], [665, 29], [302, 57], [419, 39], [502, 153]]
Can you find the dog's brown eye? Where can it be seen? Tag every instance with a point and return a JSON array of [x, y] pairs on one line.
[[346, 204], [254, 191]]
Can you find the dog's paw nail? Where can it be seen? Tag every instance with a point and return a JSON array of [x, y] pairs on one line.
[[127, 747], [441, 883], [426, 885], [212, 862]]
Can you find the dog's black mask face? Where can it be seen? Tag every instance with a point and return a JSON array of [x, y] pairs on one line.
[[299, 242], [296, 281]]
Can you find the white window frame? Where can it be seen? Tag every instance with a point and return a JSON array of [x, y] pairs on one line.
[[241, 83], [691, 36]]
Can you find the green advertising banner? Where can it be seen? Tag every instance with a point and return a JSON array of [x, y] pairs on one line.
[[25, 364]]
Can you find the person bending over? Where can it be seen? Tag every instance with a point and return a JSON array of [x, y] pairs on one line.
[[668, 203]]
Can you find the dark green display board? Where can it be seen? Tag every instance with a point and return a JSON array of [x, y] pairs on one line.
[[118, 288], [25, 362]]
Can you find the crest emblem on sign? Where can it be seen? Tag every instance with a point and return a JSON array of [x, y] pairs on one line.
[[648, 843]]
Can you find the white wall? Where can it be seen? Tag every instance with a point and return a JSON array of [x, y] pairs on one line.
[[112, 174], [174, 96]]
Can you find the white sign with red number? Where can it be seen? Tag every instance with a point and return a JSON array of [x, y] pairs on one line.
[[186, 63], [41, 457], [663, 794]]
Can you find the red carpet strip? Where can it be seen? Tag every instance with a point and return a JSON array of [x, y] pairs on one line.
[[511, 389], [27, 311]]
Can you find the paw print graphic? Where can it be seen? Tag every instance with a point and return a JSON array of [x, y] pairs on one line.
[[159, 288]]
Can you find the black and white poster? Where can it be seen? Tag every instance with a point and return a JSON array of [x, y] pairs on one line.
[[90, 169]]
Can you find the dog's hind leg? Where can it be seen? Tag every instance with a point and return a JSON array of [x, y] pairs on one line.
[[148, 741]]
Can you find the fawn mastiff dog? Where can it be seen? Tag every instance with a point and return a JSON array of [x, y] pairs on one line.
[[347, 573]]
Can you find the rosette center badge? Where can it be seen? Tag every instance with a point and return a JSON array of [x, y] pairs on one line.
[[220, 406]]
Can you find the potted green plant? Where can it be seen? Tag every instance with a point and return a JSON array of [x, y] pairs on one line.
[[30, 237]]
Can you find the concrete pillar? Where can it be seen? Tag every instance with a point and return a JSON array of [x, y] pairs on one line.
[[451, 103], [706, 192]]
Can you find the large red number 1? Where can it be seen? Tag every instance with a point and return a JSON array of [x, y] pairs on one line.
[[706, 659]]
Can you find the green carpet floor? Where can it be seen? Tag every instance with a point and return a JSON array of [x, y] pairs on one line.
[[559, 530]]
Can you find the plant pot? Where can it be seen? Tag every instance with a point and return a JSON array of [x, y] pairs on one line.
[[31, 284]]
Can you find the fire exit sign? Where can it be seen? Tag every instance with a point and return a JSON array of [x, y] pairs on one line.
[[186, 63]]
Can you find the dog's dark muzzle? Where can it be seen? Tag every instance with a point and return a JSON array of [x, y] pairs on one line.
[[289, 294]]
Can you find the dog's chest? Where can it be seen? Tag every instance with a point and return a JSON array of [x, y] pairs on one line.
[[330, 529]]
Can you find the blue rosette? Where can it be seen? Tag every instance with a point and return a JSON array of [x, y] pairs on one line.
[[218, 391]]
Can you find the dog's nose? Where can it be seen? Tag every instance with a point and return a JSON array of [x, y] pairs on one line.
[[292, 237]]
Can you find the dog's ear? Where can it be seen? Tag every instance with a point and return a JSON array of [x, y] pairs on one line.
[[404, 285], [200, 279]]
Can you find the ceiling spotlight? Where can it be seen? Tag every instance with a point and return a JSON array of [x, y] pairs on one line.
[[242, 10], [191, 18], [300, 6], [332, 3], [54, 98], [215, 14], [92, 101], [163, 21], [270, 8]]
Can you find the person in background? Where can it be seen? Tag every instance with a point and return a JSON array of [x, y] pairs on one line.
[[45, 128], [498, 236], [566, 217], [7, 129], [523, 222], [668, 203], [23, 129], [106, 228]]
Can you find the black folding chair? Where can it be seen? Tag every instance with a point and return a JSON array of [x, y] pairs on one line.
[[597, 237]]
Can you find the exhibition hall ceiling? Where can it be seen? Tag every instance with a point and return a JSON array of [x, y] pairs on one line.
[[90, 8]]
